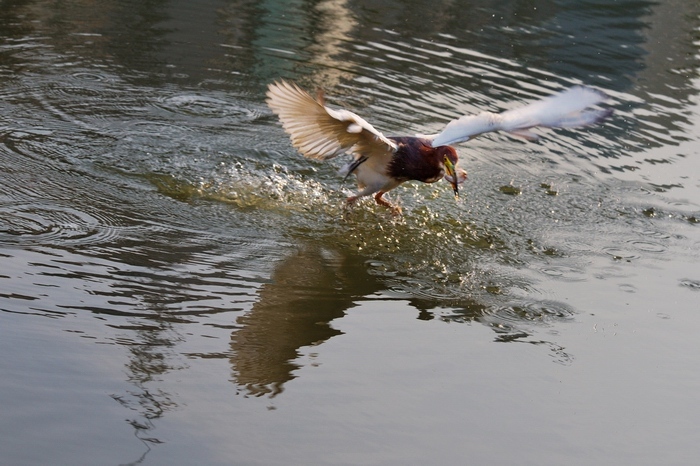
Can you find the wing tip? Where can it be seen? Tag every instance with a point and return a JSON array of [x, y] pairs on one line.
[[588, 94], [598, 116], [281, 89]]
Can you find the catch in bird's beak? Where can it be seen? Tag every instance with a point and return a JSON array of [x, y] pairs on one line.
[[451, 176]]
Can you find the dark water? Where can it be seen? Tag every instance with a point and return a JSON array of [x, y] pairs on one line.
[[178, 286]]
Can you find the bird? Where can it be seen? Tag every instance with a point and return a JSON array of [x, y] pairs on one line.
[[382, 163]]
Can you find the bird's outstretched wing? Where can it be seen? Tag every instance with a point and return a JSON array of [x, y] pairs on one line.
[[567, 109], [319, 132]]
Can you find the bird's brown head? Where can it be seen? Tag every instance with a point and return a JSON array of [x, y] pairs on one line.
[[455, 176]]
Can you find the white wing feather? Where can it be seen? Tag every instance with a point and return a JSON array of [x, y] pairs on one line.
[[319, 132], [567, 109]]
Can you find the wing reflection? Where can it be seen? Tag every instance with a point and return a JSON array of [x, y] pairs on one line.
[[306, 291]]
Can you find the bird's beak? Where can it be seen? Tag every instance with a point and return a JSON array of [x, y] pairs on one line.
[[452, 173]]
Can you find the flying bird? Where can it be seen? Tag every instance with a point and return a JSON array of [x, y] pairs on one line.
[[381, 163]]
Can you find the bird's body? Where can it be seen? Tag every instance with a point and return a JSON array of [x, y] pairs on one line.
[[382, 163], [414, 159]]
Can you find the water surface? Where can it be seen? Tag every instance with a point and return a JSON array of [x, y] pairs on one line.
[[179, 286]]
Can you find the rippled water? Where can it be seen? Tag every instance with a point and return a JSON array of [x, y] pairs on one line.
[[178, 286]]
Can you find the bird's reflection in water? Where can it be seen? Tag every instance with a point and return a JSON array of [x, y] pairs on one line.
[[315, 285], [306, 291]]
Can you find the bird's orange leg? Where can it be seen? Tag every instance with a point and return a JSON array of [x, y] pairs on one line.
[[396, 210], [349, 202]]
